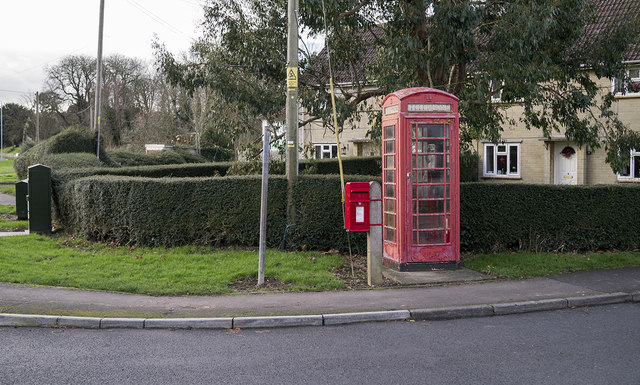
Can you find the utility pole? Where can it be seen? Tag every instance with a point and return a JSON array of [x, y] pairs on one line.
[[263, 202], [99, 79], [37, 117], [292, 107], [1, 135]]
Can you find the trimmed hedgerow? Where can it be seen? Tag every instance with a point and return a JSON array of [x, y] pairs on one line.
[[319, 221], [161, 171], [172, 211], [71, 140], [71, 160], [549, 218], [360, 165], [225, 211], [219, 211]]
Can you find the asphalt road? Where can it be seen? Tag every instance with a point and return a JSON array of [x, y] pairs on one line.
[[599, 345]]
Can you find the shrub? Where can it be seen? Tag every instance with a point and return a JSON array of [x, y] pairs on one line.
[[163, 171], [469, 166], [219, 211], [549, 218], [361, 165], [217, 154], [72, 140], [276, 167], [319, 221], [71, 160], [189, 155], [175, 211]]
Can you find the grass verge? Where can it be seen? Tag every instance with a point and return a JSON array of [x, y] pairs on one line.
[[62, 261], [8, 178], [10, 190], [11, 224], [6, 167], [527, 265]]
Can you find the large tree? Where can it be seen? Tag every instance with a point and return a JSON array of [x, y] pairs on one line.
[[72, 81], [537, 53], [15, 119]]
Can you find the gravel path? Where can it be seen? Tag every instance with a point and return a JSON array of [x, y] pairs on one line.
[[6, 199]]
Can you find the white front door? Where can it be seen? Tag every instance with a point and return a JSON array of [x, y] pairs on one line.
[[565, 161]]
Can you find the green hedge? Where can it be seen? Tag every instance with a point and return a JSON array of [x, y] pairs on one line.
[[361, 165], [72, 160], [319, 221], [549, 218], [71, 140], [219, 211], [225, 211], [172, 211], [217, 154], [162, 171]]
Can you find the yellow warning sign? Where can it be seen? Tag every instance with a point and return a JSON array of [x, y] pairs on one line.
[[292, 77]]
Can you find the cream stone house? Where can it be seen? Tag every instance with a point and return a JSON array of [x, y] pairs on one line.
[[522, 156], [526, 156]]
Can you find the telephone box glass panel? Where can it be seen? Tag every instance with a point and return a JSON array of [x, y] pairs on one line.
[[389, 183], [430, 180]]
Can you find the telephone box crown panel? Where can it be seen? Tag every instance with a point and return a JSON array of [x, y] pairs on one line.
[[421, 217]]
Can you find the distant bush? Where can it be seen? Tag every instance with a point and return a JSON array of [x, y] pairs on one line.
[[189, 155], [469, 166], [217, 154], [359, 165], [276, 167], [72, 140], [71, 160], [162, 171]]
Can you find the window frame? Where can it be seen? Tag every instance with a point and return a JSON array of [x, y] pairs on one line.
[[330, 147], [632, 169], [616, 87], [496, 154]]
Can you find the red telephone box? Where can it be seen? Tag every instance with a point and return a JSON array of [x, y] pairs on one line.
[[420, 176]]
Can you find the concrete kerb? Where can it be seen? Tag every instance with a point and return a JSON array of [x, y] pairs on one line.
[[25, 320]]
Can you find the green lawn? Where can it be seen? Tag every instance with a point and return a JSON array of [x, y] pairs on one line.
[[39, 260], [6, 167], [9, 225], [527, 265], [11, 190], [8, 178]]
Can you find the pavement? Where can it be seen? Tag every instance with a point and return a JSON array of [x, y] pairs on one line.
[[438, 295], [6, 199]]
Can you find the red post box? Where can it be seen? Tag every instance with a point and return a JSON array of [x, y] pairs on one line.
[[356, 210], [420, 182]]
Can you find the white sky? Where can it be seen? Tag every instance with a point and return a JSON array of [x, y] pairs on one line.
[[38, 33]]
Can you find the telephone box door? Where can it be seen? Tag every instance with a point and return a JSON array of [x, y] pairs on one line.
[[430, 206]]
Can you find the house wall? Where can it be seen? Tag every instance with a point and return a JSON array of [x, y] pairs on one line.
[[353, 137], [537, 152]]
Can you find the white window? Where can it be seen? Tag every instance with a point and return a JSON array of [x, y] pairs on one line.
[[501, 160], [495, 87], [631, 86], [324, 151], [632, 171]]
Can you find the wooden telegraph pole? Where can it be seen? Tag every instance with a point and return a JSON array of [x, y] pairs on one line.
[[292, 107], [99, 79]]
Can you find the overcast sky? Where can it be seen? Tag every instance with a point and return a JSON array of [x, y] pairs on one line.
[[38, 33]]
